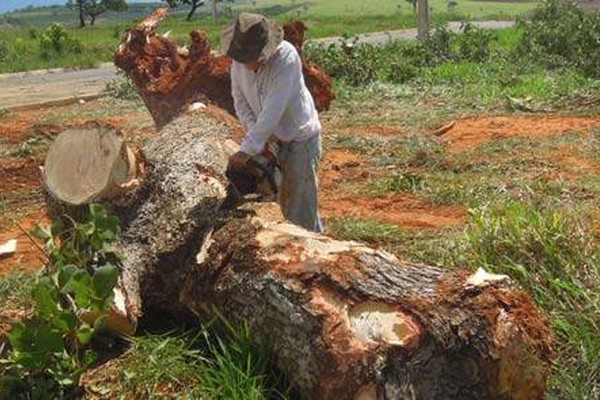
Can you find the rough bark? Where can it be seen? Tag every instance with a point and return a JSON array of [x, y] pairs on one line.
[[351, 322], [345, 321], [170, 77]]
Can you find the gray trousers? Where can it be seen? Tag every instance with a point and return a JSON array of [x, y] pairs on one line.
[[298, 196]]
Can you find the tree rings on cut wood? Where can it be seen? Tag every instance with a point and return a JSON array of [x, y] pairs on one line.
[[86, 164]]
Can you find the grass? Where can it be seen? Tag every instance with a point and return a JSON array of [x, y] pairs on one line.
[[554, 257], [204, 364], [15, 289], [19, 45]]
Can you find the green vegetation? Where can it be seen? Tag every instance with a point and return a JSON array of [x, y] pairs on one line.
[[20, 48], [524, 219], [51, 349], [202, 364], [554, 257]]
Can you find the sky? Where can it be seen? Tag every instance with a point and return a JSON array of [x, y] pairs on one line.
[[9, 5]]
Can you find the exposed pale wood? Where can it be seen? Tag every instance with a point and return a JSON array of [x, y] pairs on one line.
[[83, 165]]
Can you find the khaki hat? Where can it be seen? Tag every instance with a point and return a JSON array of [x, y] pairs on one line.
[[251, 38]]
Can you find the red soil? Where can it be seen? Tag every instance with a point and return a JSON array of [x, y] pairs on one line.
[[470, 133], [17, 174], [28, 255], [399, 209], [17, 126]]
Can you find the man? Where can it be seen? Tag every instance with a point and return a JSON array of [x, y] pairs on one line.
[[271, 98]]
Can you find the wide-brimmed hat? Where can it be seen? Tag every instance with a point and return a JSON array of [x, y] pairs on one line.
[[251, 38]]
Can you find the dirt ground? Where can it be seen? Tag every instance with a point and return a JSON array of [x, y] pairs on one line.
[[21, 200], [342, 170]]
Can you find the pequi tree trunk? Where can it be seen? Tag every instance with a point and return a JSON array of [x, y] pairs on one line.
[[345, 321]]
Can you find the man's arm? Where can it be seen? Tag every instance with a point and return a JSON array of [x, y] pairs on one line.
[[240, 104], [283, 84]]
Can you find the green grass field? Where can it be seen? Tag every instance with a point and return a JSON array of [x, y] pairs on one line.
[[20, 45]]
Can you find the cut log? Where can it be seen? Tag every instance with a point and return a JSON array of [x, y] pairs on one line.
[[170, 77], [84, 165], [345, 321]]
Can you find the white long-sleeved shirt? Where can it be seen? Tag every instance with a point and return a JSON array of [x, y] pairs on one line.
[[274, 100]]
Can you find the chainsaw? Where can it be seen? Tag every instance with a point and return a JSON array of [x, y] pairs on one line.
[[258, 180]]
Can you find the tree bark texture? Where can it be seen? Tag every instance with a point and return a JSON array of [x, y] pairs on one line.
[[171, 77], [345, 321]]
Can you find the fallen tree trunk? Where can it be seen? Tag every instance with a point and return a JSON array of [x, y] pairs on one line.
[[345, 321]]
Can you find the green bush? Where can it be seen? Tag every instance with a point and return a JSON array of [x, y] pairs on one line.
[[56, 40], [51, 349], [121, 88], [401, 61], [562, 35], [474, 44]]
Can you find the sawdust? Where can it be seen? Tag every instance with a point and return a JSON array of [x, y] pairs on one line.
[[470, 133], [28, 256]]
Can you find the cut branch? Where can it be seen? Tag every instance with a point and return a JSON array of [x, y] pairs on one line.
[[170, 77]]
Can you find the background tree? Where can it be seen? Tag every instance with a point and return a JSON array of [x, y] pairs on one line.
[[93, 8], [414, 5], [195, 4]]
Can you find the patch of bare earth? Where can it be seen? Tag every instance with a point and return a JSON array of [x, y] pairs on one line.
[[15, 127], [368, 130], [470, 133], [399, 209], [29, 255]]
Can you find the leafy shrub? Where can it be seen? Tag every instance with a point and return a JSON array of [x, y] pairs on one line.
[[121, 88], [562, 34], [50, 349], [401, 61], [474, 44], [56, 40]]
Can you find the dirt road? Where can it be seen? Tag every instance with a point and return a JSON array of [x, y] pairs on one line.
[[62, 85]]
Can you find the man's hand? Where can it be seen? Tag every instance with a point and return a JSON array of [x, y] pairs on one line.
[[238, 160]]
